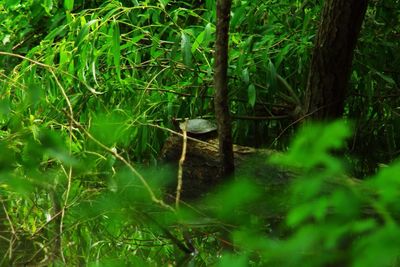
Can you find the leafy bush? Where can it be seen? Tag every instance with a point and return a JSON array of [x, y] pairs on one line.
[[329, 219], [332, 220]]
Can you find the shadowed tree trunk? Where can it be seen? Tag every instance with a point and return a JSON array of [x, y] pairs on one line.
[[332, 57], [221, 88]]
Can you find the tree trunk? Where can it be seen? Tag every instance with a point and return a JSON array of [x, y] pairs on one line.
[[332, 57], [221, 88]]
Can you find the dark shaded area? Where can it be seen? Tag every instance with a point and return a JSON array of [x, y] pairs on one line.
[[201, 168]]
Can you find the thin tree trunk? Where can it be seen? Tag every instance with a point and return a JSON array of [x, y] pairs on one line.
[[221, 88], [332, 57]]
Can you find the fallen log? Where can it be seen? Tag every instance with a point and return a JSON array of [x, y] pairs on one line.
[[201, 167]]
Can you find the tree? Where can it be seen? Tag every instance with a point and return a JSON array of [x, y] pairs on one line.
[[332, 57], [221, 88]]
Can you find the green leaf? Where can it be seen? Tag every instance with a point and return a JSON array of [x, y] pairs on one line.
[[209, 30], [238, 14], [84, 32], [198, 41], [68, 5], [12, 3], [186, 49], [48, 6], [116, 49], [245, 76], [251, 93], [271, 74], [163, 3], [4, 106], [136, 39], [386, 78], [56, 32], [282, 54]]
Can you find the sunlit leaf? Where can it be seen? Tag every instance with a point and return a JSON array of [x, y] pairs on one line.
[[164, 3], [115, 47], [47, 5], [11, 3], [136, 39], [84, 32], [69, 5], [198, 41]]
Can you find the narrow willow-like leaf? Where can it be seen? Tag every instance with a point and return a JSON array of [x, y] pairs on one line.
[[208, 37], [93, 67], [271, 74], [238, 14], [116, 49], [186, 49], [68, 5], [84, 32], [65, 56], [245, 76], [163, 3], [282, 54], [136, 39], [11, 3], [386, 78], [251, 93], [56, 32], [199, 40]]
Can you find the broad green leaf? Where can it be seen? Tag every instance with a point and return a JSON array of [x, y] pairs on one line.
[[251, 93]]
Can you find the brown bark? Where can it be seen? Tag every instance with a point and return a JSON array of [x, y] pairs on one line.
[[221, 88], [201, 167], [332, 57]]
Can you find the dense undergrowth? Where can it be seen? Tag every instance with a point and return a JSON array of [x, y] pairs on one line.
[[88, 87], [112, 220]]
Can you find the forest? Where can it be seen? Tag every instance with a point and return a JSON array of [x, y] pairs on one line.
[[200, 133]]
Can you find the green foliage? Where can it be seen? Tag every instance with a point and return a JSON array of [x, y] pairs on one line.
[[333, 220], [373, 99], [87, 86]]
